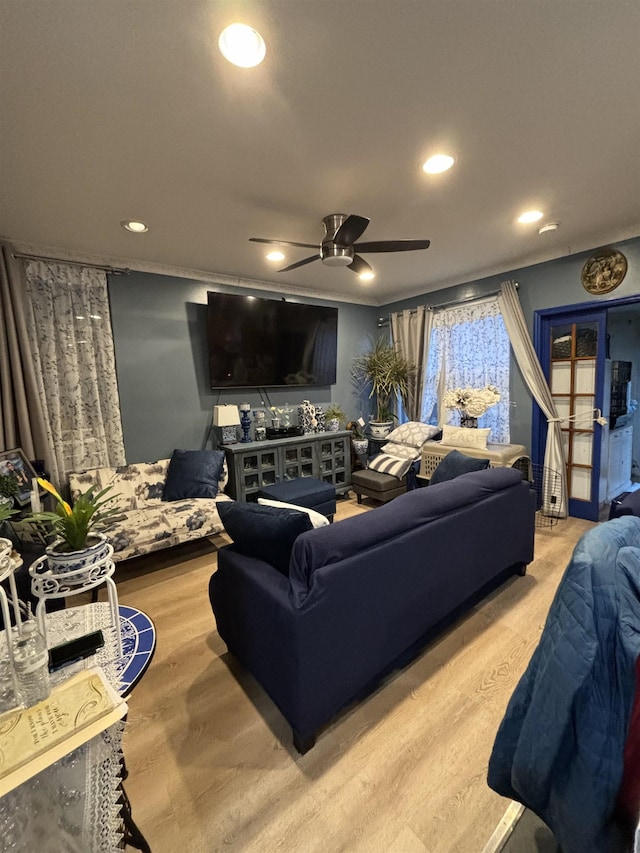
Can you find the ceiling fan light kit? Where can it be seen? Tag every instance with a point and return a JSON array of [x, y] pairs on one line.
[[339, 246]]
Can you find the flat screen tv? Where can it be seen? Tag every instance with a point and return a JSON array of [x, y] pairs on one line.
[[260, 343]]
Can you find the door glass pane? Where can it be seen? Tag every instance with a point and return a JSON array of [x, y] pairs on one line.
[[563, 405], [582, 447], [561, 377], [565, 442], [583, 408], [580, 483], [586, 339], [585, 382], [561, 342]]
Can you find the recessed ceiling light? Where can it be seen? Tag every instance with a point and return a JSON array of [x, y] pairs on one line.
[[134, 225], [242, 45], [438, 163], [530, 216], [275, 256], [550, 226], [366, 276]]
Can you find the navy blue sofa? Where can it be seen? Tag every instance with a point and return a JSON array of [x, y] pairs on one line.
[[365, 594]]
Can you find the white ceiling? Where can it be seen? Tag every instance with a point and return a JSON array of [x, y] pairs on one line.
[[118, 109]]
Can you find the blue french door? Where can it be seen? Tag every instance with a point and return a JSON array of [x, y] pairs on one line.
[[571, 346]]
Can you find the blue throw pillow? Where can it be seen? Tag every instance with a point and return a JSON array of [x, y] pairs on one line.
[[454, 464], [264, 532], [193, 474]]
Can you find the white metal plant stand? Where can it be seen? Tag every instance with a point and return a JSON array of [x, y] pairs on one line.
[[47, 584]]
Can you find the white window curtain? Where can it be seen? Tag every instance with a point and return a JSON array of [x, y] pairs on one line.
[[469, 348], [533, 375], [410, 333], [69, 326]]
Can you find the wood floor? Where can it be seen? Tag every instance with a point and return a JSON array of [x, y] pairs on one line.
[[210, 758]]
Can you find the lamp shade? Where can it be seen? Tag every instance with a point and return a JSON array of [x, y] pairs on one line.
[[226, 415]]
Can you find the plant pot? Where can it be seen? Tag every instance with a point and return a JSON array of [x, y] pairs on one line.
[[73, 561], [468, 421], [380, 429], [333, 424]]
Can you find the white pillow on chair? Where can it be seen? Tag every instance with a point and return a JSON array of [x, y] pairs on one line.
[[465, 437], [317, 518]]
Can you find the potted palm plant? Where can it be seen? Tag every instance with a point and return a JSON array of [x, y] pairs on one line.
[[79, 541], [385, 373]]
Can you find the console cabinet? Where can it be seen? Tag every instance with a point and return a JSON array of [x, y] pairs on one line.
[[252, 465]]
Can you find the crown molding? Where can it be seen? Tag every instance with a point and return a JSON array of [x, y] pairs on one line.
[[204, 276]]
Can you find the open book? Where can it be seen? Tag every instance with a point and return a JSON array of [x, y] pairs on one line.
[[75, 711]]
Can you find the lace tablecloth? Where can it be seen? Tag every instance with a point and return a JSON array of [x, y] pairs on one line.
[[73, 806]]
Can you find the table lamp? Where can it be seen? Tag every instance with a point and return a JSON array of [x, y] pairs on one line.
[[226, 418]]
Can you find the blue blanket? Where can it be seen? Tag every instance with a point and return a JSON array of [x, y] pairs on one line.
[[559, 748]]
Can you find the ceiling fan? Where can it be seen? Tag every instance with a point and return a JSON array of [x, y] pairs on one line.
[[338, 248]]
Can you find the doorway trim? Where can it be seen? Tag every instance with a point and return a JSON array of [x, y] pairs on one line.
[[540, 321]]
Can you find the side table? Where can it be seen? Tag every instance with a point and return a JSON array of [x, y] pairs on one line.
[[80, 802]]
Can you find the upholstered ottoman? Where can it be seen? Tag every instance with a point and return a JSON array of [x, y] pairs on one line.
[[377, 485], [304, 491]]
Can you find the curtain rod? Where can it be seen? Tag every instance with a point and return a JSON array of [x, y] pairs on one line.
[[113, 270], [385, 322]]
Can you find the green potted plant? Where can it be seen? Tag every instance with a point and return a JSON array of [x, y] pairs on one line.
[[359, 443], [79, 541], [385, 372], [333, 416]]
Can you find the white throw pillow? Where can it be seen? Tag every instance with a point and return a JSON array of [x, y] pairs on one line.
[[317, 518], [401, 451], [414, 433], [464, 437]]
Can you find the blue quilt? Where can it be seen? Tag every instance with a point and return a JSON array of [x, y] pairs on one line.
[[559, 748]]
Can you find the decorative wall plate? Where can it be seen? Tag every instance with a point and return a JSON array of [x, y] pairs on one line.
[[604, 271]]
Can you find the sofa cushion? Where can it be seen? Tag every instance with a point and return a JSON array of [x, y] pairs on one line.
[[264, 532], [132, 486], [454, 464], [463, 437], [193, 474], [351, 536], [160, 524]]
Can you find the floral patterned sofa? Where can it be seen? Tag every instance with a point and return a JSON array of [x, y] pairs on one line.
[[147, 522]]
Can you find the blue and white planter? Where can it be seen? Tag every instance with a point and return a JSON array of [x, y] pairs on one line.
[[74, 561]]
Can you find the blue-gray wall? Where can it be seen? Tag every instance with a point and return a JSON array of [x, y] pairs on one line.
[[160, 338], [159, 326], [546, 285]]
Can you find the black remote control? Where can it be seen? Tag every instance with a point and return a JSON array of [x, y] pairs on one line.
[[75, 650]]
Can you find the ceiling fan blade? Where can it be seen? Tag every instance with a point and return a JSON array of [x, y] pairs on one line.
[[300, 263], [392, 245], [352, 228], [283, 243], [358, 265]]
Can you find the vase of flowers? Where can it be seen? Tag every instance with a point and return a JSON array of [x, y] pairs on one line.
[[79, 541], [472, 403]]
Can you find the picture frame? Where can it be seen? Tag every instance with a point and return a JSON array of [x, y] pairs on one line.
[[14, 463]]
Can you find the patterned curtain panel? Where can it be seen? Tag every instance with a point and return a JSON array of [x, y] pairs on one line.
[[69, 326], [469, 349]]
